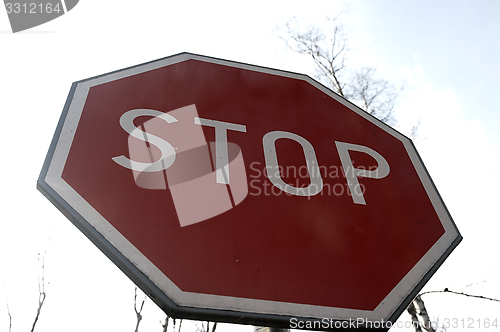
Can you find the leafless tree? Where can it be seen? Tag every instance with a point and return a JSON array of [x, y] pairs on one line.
[[328, 48]]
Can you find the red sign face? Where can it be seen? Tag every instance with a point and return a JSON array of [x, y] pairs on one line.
[[241, 188]]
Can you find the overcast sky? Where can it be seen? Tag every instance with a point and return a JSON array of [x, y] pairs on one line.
[[446, 53]]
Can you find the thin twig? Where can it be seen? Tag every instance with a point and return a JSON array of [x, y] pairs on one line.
[[446, 290], [41, 289], [8, 313]]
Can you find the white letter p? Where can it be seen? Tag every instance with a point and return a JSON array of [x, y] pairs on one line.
[[352, 173]]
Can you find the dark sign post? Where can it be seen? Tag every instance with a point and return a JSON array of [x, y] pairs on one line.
[[237, 193]]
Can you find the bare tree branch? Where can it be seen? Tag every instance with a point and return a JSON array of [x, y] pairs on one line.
[[414, 131], [138, 312], [328, 51], [475, 283], [173, 327], [41, 288], [414, 318], [328, 47], [202, 329], [206, 328], [446, 290], [422, 311], [376, 96], [165, 325], [8, 312]]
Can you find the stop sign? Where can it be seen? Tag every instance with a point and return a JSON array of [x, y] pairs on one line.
[[238, 193]]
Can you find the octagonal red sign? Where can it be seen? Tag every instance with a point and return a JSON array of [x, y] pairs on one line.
[[245, 194]]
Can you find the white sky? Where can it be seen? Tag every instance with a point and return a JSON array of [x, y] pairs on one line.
[[446, 52]]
